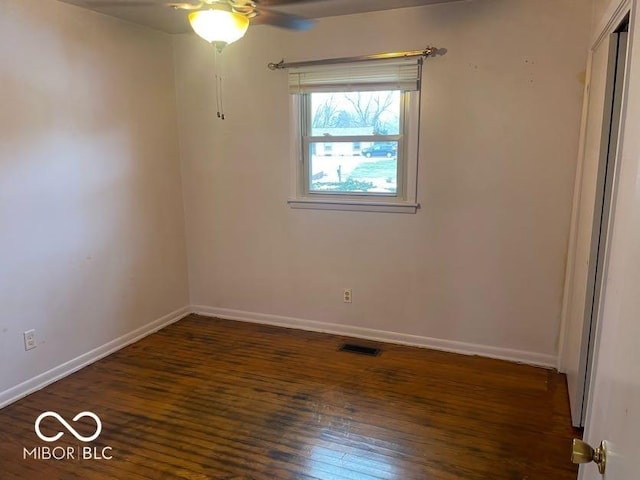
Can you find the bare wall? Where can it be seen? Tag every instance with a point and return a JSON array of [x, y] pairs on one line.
[[600, 8], [92, 244], [481, 262]]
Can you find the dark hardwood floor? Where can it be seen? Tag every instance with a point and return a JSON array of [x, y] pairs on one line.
[[215, 399]]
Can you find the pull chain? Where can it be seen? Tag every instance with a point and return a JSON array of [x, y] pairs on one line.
[[221, 99], [218, 78]]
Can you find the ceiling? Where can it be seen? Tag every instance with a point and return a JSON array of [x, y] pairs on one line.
[[161, 17]]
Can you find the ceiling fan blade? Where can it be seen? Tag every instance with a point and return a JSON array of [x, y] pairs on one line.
[[282, 20], [278, 3], [142, 3]]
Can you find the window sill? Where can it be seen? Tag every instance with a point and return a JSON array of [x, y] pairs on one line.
[[353, 205]]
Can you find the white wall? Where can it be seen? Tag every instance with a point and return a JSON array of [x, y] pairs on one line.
[[92, 240], [600, 8], [482, 262]]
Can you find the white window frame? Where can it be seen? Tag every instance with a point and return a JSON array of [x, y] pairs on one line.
[[405, 198]]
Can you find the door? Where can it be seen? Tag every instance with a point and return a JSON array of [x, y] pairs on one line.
[[613, 412], [607, 169], [592, 212]]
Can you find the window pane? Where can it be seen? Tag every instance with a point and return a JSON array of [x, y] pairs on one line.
[[353, 167], [355, 113]]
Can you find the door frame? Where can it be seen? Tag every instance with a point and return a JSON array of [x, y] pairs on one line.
[[613, 413], [608, 25]]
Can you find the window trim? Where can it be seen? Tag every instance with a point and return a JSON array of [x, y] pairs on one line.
[[405, 198]]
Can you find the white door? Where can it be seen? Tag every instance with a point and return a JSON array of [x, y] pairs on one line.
[[594, 184], [613, 413]]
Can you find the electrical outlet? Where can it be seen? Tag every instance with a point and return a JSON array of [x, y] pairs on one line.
[[29, 339], [347, 295]]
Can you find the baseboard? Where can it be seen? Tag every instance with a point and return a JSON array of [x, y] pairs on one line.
[[67, 368], [530, 358]]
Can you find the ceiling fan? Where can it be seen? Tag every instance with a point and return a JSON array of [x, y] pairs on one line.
[[222, 22]]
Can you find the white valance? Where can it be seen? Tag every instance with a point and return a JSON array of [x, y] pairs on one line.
[[395, 74]]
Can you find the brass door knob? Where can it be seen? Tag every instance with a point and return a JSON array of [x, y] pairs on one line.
[[582, 452]]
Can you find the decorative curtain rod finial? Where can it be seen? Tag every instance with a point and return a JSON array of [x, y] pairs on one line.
[[275, 66], [433, 51], [430, 51]]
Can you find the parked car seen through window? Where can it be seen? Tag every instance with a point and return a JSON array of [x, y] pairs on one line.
[[380, 150]]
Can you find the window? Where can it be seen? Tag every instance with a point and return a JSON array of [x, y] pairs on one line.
[[350, 142], [356, 135]]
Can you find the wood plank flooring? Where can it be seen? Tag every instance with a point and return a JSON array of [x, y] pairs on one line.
[[215, 399]]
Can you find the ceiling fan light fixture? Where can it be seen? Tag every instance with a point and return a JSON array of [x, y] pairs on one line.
[[219, 27]]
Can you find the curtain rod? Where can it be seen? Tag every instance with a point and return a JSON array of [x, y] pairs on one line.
[[429, 51]]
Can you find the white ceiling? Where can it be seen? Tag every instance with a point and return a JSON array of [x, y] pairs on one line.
[[159, 16]]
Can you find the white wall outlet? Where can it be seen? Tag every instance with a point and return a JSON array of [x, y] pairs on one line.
[[347, 297], [29, 339]]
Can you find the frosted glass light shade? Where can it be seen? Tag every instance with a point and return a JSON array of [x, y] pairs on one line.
[[219, 26]]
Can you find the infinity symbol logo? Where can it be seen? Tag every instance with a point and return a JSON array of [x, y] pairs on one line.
[[71, 430]]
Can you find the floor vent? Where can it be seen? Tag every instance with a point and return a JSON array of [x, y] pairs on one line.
[[360, 349]]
